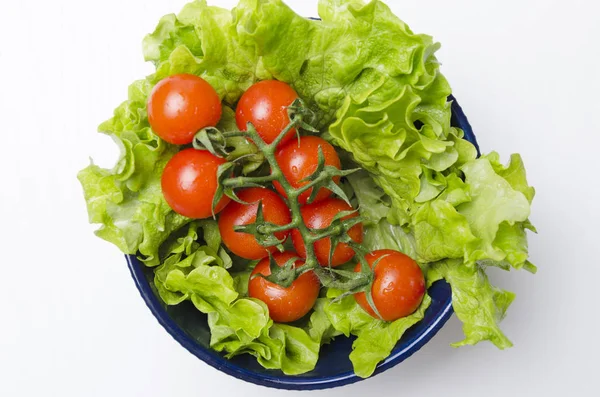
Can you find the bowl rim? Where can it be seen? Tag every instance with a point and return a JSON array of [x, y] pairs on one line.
[[153, 302]]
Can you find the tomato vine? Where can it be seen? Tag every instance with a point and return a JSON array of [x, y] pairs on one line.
[[218, 143]]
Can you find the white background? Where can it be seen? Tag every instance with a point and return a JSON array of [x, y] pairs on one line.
[[71, 321]]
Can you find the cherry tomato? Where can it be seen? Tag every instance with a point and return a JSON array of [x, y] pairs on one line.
[[235, 214], [189, 183], [265, 106], [319, 216], [299, 161], [180, 106], [285, 304], [398, 288]]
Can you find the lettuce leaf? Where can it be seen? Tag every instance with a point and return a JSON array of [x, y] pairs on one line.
[[470, 224], [494, 201], [376, 341], [239, 325], [375, 338], [513, 173], [440, 232], [478, 304], [127, 200]]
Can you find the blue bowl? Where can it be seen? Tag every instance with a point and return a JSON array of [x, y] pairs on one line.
[[189, 327]]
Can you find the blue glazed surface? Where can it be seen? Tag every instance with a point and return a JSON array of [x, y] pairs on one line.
[[189, 327]]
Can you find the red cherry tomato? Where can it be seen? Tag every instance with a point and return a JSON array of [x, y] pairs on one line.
[[181, 105], [235, 214], [299, 161], [398, 288], [189, 183], [319, 216], [265, 106], [285, 304]]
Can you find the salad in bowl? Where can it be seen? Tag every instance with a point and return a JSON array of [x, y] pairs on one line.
[[300, 181]]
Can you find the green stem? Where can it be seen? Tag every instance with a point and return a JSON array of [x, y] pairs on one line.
[[329, 280], [272, 229], [242, 181], [291, 192], [317, 235], [233, 134], [285, 131], [312, 183]]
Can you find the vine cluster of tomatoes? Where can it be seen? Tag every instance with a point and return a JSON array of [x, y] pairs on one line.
[[298, 196]]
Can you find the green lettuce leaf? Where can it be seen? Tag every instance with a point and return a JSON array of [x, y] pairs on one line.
[[376, 341], [514, 173], [384, 235], [294, 352], [204, 40], [320, 327], [127, 200], [375, 338], [440, 232], [194, 270], [478, 304], [487, 210], [171, 33], [493, 202], [375, 207], [345, 315]]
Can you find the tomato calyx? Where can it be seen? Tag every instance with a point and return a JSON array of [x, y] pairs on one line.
[[263, 231], [285, 275], [302, 116], [323, 177], [231, 146]]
